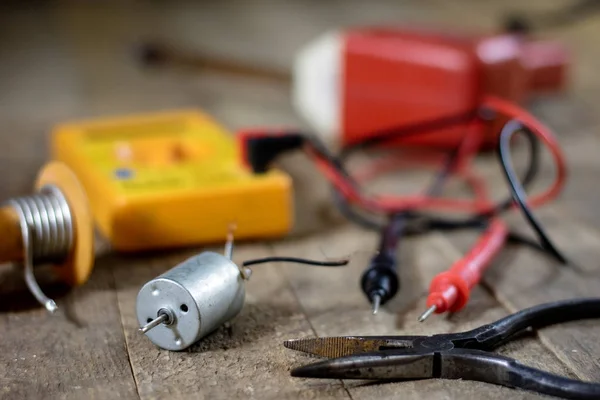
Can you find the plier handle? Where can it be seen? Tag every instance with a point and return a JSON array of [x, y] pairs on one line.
[[465, 355]]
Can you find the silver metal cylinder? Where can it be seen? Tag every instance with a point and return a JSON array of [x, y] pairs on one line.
[[47, 234], [198, 296], [49, 221]]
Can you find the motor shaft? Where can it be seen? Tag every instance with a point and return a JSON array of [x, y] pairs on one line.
[[162, 318]]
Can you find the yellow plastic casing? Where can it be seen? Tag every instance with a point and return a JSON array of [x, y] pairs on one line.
[[171, 179]]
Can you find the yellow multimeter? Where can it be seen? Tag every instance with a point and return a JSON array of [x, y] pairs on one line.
[[171, 179]]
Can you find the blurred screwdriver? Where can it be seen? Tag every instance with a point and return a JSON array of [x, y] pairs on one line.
[[157, 54]]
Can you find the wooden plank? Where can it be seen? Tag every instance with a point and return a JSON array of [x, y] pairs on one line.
[[80, 352]]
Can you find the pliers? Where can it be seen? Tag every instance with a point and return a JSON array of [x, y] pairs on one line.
[[465, 355]]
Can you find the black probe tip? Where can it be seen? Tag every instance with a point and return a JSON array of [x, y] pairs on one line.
[[380, 281]]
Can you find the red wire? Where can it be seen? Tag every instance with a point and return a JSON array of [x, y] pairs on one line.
[[481, 203], [450, 290]]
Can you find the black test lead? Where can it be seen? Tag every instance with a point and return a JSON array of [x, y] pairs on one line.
[[380, 280]]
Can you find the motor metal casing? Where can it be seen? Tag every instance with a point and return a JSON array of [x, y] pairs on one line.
[[200, 294]]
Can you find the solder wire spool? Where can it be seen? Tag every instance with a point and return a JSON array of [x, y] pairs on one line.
[[53, 225]]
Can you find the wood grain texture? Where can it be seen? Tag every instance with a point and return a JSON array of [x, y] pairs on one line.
[[76, 61], [245, 361], [80, 352]]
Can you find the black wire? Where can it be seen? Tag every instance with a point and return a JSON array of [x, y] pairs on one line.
[[391, 134], [422, 223], [517, 238], [431, 222], [333, 263], [399, 222], [418, 223], [528, 177], [517, 190]]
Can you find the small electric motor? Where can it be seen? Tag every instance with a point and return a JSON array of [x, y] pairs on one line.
[[188, 302]]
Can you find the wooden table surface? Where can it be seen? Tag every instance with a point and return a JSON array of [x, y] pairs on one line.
[[75, 62]]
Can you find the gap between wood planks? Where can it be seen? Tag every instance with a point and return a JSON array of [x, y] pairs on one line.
[[271, 247], [125, 338]]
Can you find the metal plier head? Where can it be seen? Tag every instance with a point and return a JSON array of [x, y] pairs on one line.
[[465, 355]]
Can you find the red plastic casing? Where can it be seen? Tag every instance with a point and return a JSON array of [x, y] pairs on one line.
[[396, 79]]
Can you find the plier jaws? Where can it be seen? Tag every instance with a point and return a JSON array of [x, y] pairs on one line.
[[465, 355], [388, 357], [381, 365]]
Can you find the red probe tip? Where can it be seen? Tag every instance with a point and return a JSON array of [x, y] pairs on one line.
[[427, 313], [450, 290]]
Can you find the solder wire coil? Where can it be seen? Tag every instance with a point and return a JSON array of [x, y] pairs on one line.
[[47, 233]]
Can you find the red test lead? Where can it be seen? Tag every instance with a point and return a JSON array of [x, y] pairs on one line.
[[450, 290]]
